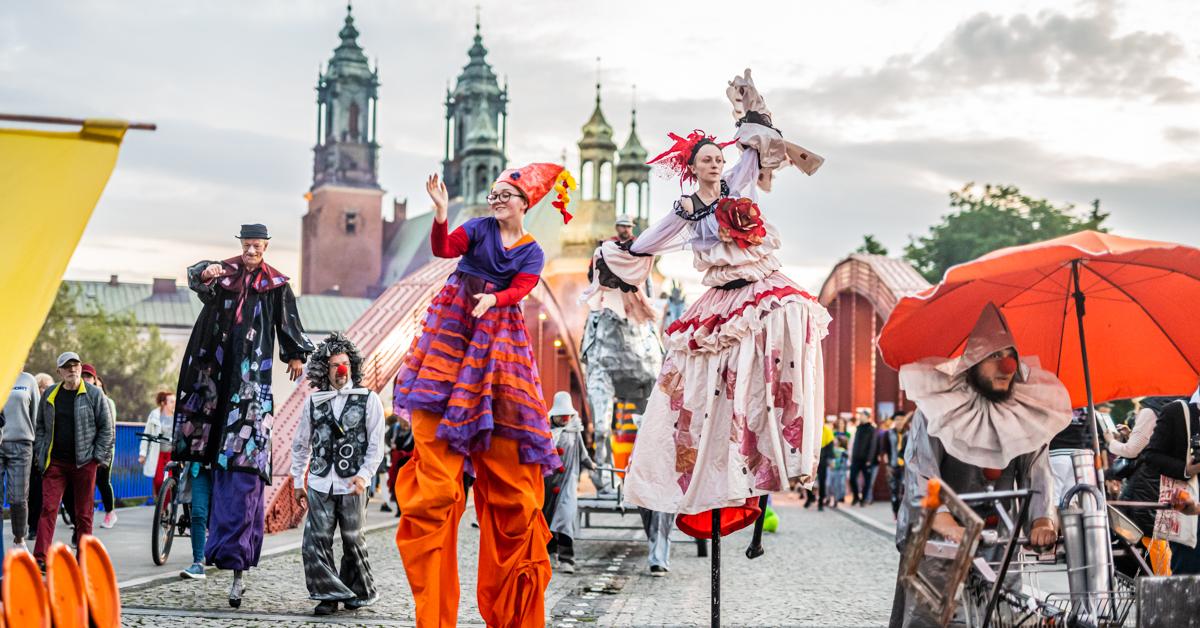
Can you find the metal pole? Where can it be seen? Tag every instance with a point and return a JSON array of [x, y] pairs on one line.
[[1080, 310], [1008, 554], [756, 549], [9, 117], [716, 568]]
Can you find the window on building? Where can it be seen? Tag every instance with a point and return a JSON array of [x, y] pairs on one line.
[[354, 113], [351, 223]]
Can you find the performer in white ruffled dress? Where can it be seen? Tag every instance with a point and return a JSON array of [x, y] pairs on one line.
[[738, 406]]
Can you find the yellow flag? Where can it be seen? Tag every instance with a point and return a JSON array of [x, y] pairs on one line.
[[49, 185]]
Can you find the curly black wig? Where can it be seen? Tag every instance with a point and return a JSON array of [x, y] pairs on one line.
[[318, 362]]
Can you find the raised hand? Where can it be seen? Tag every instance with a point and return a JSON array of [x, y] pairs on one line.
[[440, 197]]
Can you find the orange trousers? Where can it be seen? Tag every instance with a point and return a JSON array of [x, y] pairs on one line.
[[514, 567]]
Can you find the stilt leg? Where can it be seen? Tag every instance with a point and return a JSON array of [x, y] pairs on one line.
[[756, 549], [716, 568]]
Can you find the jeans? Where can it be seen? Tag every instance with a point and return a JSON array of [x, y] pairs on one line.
[[658, 532], [15, 459], [857, 491], [201, 496]]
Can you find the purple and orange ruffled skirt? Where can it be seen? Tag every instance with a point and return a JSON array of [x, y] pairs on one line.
[[477, 374]]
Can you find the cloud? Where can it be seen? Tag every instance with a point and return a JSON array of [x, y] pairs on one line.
[[1051, 52], [1181, 135]]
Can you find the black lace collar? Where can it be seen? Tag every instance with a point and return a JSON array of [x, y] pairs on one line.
[[699, 210]]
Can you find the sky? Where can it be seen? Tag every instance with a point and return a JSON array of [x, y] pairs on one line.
[[907, 100]]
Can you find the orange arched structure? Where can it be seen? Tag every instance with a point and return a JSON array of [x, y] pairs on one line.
[[860, 293], [383, 334]]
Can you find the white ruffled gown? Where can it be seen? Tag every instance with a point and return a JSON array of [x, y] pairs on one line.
[[738, 407]]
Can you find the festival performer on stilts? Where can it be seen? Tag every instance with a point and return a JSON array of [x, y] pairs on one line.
[[341, 433], [224, 411], [471, 386], [737, 409]]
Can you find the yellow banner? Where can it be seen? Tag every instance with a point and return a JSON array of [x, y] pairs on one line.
[[49, 185]]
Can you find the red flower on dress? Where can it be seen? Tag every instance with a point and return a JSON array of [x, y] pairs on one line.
[[740, 221]]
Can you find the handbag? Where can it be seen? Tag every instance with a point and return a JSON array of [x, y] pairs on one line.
[[1172, 525]]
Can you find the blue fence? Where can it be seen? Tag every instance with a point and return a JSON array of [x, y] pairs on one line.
[[126, 474]]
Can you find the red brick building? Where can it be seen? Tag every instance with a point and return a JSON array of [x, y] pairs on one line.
[[860, 294]]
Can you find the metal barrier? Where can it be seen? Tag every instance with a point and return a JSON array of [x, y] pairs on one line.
[[126, 473]]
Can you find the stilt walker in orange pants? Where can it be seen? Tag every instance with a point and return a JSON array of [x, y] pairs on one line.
[[470, 386]]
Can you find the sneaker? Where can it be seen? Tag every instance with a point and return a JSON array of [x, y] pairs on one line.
[[327, 607], [566, 566], [21, 546], [110, 519], [193, 572], [657, 571]]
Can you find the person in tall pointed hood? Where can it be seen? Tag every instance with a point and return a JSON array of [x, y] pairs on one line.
[[470, 383], [335, 452], [984, 421]]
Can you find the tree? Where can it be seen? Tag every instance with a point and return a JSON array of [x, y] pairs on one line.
[[999, 217], [133, 364], [871, 246]]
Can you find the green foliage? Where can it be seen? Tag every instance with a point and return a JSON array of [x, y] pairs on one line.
[[871, 246], [133, 365], [998, 217]]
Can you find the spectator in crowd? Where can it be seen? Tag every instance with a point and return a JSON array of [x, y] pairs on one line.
[[44, 381], [74, 435], [16, 452], [198, 480], [820, 489], [560, 501], [1172, 453], [839, 463], [862, 458], [152, 455], [882, 459], [108, 497], [399, 440], [896, 441]]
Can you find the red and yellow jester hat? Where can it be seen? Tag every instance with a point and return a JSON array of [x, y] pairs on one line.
[[537, 180]]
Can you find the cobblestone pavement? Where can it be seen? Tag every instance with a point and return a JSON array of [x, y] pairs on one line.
[[820, 569]]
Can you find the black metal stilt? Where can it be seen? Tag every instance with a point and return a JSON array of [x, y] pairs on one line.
[[716, 567], [755, 549]]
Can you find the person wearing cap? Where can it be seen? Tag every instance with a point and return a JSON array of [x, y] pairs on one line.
[[562, 486], [336, 450], [74, 435], [984, 422], [224, 407], [470, 384], [16, 451], [108, 496]]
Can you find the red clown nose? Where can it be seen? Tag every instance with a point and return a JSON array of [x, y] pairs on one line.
[[1008, 365], [343, 370]]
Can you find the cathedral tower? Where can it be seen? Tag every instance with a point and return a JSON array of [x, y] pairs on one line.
[[342, 240], [476, 129]]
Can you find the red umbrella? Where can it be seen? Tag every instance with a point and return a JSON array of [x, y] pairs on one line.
[[1130, 306]]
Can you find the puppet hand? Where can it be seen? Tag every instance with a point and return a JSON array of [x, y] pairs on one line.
[[483, 302], [360, 485], [295, 369]]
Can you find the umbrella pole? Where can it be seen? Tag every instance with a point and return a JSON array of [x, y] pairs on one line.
[[1087, 374]]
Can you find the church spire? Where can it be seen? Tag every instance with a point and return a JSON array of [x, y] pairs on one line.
[[476, 121]]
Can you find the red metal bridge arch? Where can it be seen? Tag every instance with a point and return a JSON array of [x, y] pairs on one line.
[[383, 334], [860, 293]]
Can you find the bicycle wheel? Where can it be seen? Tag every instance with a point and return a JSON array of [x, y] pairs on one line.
[[162, 533]]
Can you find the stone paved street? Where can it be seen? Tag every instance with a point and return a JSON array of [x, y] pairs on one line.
[[820, 569]]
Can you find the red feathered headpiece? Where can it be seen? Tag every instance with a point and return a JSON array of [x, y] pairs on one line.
[[538, 180], [679, 156]]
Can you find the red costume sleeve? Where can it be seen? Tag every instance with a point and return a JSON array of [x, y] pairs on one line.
[[452, 245], [521, 285]]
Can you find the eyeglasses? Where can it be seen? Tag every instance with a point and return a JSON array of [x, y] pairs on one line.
[[502, 197]]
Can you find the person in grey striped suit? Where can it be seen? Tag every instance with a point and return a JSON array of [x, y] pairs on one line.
[[336, 450]]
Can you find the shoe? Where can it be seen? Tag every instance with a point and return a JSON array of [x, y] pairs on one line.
[[109, 520], [21, 546], [566, 566], [194, 572], [354, 604], [326, 607], [235, 593], [475, 524], [385, 508], [657, 571], [397, 515]]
